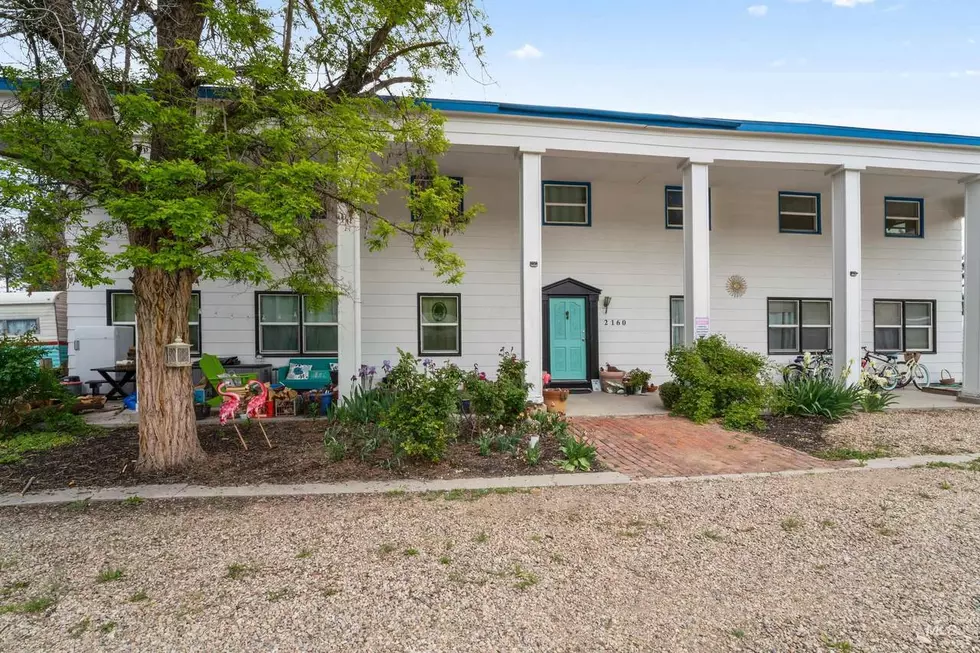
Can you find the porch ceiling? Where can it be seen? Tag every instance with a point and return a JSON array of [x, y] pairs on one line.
[[471, 161]]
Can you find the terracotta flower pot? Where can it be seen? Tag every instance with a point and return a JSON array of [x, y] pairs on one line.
[[555, 400], [606, 377]]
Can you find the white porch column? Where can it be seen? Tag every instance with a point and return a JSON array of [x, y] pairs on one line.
[[697, 268], [531, 326], [846, 236], [971, 293], [349, 303]]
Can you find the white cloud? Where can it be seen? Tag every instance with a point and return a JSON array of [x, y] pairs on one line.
[[973, 73], [526, 51], [850, 4], [758, 10], [778, 63]]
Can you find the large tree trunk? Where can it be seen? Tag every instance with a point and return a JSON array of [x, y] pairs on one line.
[[168, 430]]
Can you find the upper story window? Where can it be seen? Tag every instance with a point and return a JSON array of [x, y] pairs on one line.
[[904, 217], [799, 325], [286, 324], [799, 213], [904, 325], [421, 183], [674, 207], [121, 311], [567, 203]]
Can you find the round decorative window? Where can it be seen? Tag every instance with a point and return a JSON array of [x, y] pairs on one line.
[[439, 311]]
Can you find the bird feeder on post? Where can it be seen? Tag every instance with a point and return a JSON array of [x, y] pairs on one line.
[[178, 354]]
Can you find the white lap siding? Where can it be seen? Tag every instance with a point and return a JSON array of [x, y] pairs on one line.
[[635, 260]]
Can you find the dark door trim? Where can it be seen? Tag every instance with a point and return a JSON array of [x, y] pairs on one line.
[[571, 288]]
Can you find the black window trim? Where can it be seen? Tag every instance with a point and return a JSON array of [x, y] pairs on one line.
[[799, 324], [459, 319], [874, 328], [124, 291], [302, 352]]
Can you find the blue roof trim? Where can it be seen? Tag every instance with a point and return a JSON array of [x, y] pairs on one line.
[[679, 122], [662, 120]]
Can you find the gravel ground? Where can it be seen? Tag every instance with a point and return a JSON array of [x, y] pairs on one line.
[[879, 561], [909, 432]]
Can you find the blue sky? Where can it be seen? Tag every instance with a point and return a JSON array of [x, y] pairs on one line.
[[901, 64]]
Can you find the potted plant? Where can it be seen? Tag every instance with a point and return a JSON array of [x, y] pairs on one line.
[[611, 378], [636, 381], [555, 399]]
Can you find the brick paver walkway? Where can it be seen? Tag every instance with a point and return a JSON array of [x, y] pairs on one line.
[[648, 446]]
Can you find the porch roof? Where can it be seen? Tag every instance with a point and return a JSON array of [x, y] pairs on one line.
[[682, 122]]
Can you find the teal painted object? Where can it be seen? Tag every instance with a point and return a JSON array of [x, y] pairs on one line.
[[57, 353], [567, 335]]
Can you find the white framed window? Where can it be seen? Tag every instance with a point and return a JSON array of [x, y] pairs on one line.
[[439, 325], [567, 203], [799, 213], [904, 325], [676, 320], [286, 325], [797, 325], [20, 326], [904, 217], [121, 309]]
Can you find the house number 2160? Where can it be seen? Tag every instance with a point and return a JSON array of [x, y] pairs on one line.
[[615, 322]]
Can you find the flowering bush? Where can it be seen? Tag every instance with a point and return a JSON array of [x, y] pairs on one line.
[[501, 402]]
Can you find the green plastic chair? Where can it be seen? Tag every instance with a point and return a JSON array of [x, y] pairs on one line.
[[215, 373]]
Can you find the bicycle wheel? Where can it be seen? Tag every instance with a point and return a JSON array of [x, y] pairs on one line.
[[826, 372], [889, 375], [920, 376], [792, 373], [904, 374]]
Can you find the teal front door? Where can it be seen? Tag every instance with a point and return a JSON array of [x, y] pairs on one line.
[[567, 335]]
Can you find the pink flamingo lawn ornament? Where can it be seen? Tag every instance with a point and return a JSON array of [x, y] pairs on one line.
[[257, 404], [229, 406]]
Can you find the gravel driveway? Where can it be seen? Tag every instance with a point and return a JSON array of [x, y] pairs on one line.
[[862, 561], [909, 432]]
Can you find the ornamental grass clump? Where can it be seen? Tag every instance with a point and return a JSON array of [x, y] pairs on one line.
[[717, 379]]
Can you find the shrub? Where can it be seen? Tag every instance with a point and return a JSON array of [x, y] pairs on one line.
[[501, 402], [715, 378], [551, 424], [670, 392], [819, 397], [420, 418], [23, 381], [876, 402]]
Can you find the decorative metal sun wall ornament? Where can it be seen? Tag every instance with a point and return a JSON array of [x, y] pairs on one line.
[[736, 285]]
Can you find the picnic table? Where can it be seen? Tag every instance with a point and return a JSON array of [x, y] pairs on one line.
[[115, 382]]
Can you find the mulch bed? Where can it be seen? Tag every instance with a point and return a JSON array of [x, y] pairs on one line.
[[297, 456], [802, 433]]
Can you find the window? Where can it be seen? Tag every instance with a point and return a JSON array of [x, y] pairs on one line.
[[676, 320], [799, 325], [905, 325], [19, 327], [674, 207], [904, 217], [421, 182], [439, 320], [288, 324], [567, 203], [122, 312], [799, 213]]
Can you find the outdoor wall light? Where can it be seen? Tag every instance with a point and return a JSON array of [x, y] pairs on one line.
[[605, 303]]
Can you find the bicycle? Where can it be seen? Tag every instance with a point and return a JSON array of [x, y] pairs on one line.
[[881, 367], [915, 372], [811, 365]]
